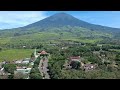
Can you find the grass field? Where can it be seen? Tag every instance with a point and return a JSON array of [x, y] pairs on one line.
[[15, 54]]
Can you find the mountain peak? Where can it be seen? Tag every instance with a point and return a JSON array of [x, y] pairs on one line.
[[58, 20], [61, 17], [61, 13], [65, 19]]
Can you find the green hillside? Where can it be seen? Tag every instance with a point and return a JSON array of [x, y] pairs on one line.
[[55, 35]]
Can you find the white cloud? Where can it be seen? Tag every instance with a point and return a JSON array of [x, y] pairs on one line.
[[20, 18]]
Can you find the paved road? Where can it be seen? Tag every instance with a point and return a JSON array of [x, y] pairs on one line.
[[43, 68]]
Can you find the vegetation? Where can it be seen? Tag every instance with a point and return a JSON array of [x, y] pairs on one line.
[[89, 54], [34, 73], [15, 54], [10, 68]]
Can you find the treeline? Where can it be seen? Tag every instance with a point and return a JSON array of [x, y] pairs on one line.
[[20, 45], [107, 47], [112, 41]]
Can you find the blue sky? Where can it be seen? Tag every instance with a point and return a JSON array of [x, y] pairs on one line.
[[13, 19]]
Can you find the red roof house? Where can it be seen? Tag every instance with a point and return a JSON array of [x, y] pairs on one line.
[[76, 58], [43, 52]]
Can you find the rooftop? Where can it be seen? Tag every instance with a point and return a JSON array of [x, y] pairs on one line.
[[43, 52]]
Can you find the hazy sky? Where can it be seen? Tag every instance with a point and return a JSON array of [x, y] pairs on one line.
[[13, 19]]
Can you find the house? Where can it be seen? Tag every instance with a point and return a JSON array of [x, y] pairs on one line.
[[75, 58], [88, 67], [18, 61], [26, 61], [32, 63], [23, 70], [68, 63], [43, 53]]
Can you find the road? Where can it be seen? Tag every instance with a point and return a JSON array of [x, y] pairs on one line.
[[43, 68]]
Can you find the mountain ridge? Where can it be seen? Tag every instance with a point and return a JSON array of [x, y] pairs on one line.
[[59, 20], [63, 19]]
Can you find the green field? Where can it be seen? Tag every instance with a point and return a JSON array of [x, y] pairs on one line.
[[15, 54]]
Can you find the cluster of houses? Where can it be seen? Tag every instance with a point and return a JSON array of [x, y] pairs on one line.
[[85, 67], [26, 70], [23, 68]]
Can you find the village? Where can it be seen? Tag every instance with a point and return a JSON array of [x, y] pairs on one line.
[[40, 63], [24, 66]]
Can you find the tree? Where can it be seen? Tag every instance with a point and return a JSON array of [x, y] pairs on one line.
[[75, 64], [10, 68], [35, 76], [34, 70], [37, 61]]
